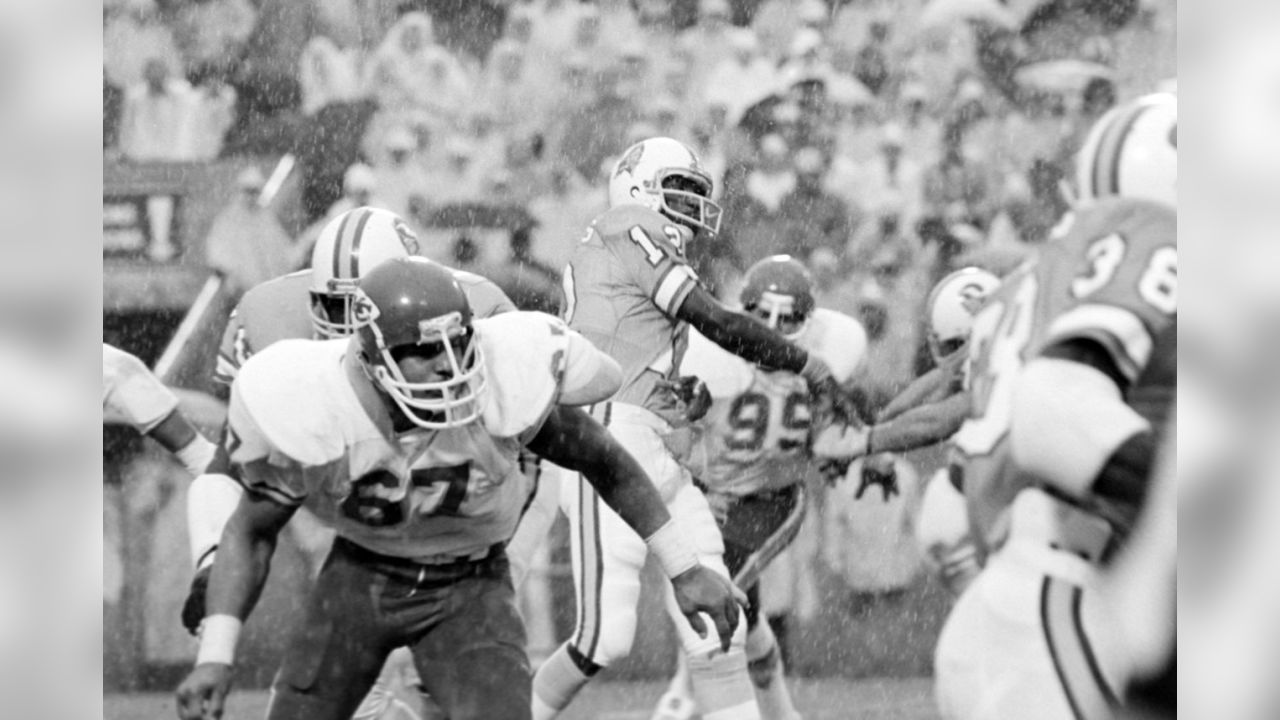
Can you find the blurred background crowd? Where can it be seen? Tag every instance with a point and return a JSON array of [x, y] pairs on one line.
[[885, 143]]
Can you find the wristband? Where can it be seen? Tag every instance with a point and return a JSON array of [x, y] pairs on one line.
[[196, 455], [218, 636], [672, 551]]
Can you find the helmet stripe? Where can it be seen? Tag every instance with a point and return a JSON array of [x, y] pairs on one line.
[[353, 256], [1106, 166], [337, 246]]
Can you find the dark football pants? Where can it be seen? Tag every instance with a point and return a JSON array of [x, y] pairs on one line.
[[459, 620], [756, 529]]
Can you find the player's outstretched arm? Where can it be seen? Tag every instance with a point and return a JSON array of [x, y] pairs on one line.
[[929, 388], [920, 426], [573, 440], [754, 342], [239, 574]]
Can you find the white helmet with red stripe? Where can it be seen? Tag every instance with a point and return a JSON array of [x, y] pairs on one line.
[[1132, 151], [349, 247], [951, 306]]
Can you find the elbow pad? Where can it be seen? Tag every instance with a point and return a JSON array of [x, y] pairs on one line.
[[1067, 420]]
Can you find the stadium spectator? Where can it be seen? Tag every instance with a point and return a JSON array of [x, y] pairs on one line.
[[246, 244], [132, 36], [326, 74], [211, 35], [812, 218], [156, 115]]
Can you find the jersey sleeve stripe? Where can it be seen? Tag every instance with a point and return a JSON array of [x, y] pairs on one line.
[[1118, 330], [671, 290]]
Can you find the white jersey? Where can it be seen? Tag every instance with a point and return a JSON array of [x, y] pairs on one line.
[[755, 437], [131, 394], [302, 432]]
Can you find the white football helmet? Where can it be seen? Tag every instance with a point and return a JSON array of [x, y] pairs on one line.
[[665, 175], [349, 247], [1132, 151], [951, 306]]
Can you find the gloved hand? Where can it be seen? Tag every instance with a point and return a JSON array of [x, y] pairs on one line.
[[692, 394], [879, 470], [829, 400]]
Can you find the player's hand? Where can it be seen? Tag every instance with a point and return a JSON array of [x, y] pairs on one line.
[[840, 442], [829, 399], [193, 608], [692, 394], [879, 470], [702, 590], [203, 695]]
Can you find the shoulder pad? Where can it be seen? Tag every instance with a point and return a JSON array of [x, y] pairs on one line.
[[287, 388], [838, 339], [269, 298], [524, 356]]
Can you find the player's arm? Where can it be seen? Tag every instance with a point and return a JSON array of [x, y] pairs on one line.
[[931, 387], [276, 488], [754, 342], [138, 398], [740, 334], [573, 440], [239, 575], [920, 426], [1071, 426]]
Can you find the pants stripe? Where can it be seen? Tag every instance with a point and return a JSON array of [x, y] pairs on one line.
[[1073, 659], [587, 636], [776, 543]]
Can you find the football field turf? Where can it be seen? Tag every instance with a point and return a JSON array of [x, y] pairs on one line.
[[824, 699]]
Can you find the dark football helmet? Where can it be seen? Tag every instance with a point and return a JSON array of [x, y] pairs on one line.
[[779, 291], [412, 307]]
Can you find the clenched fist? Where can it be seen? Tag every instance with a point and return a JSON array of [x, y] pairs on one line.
[[203, 695]]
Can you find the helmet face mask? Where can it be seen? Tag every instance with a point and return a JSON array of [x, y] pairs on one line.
[[779, 312], [779, 292], [417, 344]]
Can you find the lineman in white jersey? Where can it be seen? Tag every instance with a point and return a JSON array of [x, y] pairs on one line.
[[312, 304], [405, 440], [749, 452]]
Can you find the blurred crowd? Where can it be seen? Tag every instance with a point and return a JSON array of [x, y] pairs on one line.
[[868, 138]]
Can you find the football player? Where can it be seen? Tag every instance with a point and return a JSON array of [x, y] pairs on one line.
[[630, 291], [405, 440], [133, 396], [749, 453], [1052, 451], [309, 304]]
